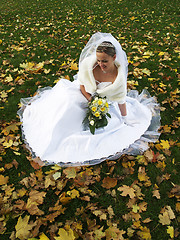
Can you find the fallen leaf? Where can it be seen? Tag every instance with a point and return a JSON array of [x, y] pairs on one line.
[[126, 190], [156, 194], [65, 235], [144, 233], [70, 172], [43, 237], [165, 144], [170, 231], [109, 182], [23, 228], [3, 180]]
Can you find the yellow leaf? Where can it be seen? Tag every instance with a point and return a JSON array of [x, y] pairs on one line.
[[135, 208], [99, 234], [8, 144], [132, 18], [170, 230], [3, 180], [56, 175], [161, 53], [43, 237], [74, 66], [73, 194], [0, 41], [70, 172], [165, 144], [11, 128], [65, 235], [23, 229], [9, 79], [146, 71], [144, 233], [46, 71], [4, 94]]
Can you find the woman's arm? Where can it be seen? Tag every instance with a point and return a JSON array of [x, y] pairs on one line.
[[122, 108], [86, 94]]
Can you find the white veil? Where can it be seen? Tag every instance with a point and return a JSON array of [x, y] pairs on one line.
[[95, 41]]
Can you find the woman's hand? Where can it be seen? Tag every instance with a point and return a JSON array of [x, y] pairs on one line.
[[129, 122]]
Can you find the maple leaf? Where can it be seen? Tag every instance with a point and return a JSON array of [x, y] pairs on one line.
[[164, 218], [126, 190], [114, 233], [73, 193], [49, 180], [170, 231], [110, 211], [135, 208], [70, 172], [165, 144], [11, 128], [3, 180], [35, 198], [109, 182], [156, 194], [65, 235], [32, 208], [43, 237], [144, 233], [142, 174], [56, 175], [73, 66], [23, 228], [146, 71]]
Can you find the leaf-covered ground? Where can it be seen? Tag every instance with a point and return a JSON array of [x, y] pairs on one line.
[[135, 197]]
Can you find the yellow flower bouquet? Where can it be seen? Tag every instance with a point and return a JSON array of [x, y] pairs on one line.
[[97, 113]]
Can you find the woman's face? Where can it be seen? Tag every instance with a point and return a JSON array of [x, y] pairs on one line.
[[105, 62]]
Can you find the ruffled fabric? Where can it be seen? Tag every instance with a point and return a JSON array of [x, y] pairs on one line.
[[65, 89]]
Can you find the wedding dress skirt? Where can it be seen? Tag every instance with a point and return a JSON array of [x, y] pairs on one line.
[[52, 126]]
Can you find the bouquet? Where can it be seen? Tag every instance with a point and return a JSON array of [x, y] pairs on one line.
[[97, 113]]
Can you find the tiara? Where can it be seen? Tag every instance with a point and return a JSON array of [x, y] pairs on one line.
[[106, 44]]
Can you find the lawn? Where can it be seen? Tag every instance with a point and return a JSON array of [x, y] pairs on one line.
[[135, 197]]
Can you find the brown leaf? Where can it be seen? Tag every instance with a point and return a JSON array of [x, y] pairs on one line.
[[126, 190], [156, 194], [109, 182]]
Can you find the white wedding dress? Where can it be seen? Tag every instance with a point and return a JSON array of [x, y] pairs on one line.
[[52, 126]]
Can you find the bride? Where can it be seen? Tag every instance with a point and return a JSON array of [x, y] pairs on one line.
[[52, 120]]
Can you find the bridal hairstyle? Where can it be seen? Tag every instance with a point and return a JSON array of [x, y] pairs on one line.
[[106, 47]]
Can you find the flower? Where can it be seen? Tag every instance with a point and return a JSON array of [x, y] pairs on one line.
[[92, 122], [100, 102], [94, 108], [102, 109], [97, 114], [106, 105]]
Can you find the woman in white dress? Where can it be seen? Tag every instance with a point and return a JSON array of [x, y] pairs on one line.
[[52, 120]]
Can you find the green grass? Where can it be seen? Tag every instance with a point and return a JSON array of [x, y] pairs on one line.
[[57, 31]]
